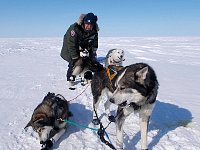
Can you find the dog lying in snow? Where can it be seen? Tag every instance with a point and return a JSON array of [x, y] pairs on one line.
[[134, 89], [45, 119]]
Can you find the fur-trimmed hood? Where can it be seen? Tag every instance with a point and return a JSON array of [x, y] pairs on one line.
[[80, 21]]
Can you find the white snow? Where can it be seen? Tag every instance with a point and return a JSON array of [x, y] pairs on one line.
[[32, 67]]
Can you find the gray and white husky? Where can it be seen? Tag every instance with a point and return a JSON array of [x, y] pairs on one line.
[[133, 89], [46, 117], [114, 57]]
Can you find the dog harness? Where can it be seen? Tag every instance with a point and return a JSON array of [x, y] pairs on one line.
[[111, 71]]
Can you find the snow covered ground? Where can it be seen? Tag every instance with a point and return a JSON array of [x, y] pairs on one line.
[[31, 67]]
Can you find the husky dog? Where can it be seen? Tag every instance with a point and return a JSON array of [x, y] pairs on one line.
[[47, 118], [133, 89], [114, 57]]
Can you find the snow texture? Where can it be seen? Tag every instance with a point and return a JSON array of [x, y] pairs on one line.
[[32, 67]]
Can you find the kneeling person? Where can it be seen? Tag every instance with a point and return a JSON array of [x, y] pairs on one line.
[[80, 38]]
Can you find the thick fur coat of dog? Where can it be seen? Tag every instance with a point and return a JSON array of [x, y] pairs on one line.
[[114, 57], [133, 89], [45, 119]]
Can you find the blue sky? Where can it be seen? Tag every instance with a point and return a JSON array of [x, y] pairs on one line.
[[51, 18]]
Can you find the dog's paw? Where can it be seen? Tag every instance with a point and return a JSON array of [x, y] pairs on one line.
[[95, 122], [111, 118], [49, 144]]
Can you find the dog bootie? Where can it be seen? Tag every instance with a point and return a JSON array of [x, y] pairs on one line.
[[71, 82]]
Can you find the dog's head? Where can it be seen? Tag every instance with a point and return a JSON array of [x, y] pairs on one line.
[[42, 126], [116, 57], [84, 53], [134, 85]]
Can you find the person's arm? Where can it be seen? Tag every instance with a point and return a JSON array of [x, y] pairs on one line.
[[95, 45], [72, 41]]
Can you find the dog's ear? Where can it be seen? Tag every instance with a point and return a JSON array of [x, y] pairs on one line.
[[28, 124], [141, 74], [42, 120]]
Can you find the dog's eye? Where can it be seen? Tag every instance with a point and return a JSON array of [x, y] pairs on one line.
[[123, 104], [40, 130]]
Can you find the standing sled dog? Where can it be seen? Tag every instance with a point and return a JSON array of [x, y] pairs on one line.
[[46, 121], [134, 89]]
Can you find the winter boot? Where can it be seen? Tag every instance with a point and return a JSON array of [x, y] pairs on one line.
[[71, 83]]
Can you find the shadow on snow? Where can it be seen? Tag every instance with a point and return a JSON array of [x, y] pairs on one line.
[[165, 118], [81, 116]]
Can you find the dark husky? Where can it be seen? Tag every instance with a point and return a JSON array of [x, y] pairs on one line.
[[133, 88], [45, 119]]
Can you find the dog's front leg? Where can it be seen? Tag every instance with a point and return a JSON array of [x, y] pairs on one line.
[[107, 104], [107, 107], [144, 116], [96, 100], [49, 143], [119, 128], [143, 129], [57, 136]]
